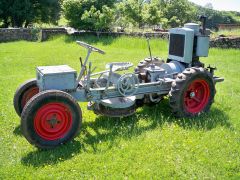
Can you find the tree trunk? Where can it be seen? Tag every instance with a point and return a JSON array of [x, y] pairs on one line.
[[26, 24], [6, 23], [16, 22]]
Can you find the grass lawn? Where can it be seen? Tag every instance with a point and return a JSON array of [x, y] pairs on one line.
[[151, 143]]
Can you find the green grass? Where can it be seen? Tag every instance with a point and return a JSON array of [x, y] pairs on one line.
[[151, 143]]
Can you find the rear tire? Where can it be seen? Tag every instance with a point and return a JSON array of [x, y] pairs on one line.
[[50, 119], [23, 94], [192, 93]]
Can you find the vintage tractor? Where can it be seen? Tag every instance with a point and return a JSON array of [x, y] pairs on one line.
[[48, 105]]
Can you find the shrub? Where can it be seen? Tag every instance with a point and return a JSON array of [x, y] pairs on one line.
[[89, 14]]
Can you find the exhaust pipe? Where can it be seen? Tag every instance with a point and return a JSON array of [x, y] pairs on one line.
[[203, 19]]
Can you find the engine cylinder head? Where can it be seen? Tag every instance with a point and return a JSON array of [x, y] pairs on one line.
[[193, 26]]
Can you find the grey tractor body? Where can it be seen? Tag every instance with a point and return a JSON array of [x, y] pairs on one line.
[[111, 90], [49, 107]]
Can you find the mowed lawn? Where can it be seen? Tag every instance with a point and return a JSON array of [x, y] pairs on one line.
[[152, 143]]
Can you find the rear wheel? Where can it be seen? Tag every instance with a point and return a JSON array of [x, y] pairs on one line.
[[50, 119], [192, 93], [23, 94]]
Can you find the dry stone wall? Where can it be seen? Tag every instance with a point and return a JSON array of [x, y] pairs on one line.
[[162, 35], [46, 33], [226, 42], [13, 34]]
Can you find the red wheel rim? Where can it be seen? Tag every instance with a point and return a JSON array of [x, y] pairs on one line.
[[28, 95], [197, 96], [52, 121]]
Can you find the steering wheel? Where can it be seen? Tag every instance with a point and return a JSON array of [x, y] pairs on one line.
[[88, 46]]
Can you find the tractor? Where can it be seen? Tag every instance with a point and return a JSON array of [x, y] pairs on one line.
[[48, 105]]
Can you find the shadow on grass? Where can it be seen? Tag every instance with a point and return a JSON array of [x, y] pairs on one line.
[[111, 130], [40, 158], [153, 117], [17, 131]]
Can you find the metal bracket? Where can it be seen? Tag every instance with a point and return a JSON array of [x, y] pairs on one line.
[[212, 69], [109, 77], [83, 67]]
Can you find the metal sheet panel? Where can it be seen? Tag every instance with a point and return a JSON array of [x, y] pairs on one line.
[[202, 46], [187, 46], [60, 77]]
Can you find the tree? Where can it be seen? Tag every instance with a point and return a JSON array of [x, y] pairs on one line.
[[89, 14], [4, 12], [138, 12], [132, 11], [153, 14], [177, 12], [18, 13], [121, 19], [99, 20], [216, 17]]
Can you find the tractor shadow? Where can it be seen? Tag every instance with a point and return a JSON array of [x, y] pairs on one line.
[[104, 133], [17, 131], [39, 158], [146, 119]]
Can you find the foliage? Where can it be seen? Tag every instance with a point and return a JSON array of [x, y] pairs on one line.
[[89, 14], [177, 12], [98, 20], [153, 14], [235, 15], [140, 13], [101, 15], [149, 145], [132, 10], [18, 13], [217, 17]]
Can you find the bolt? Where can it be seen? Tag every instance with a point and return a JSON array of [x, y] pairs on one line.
[[192, 94], [53, 121]]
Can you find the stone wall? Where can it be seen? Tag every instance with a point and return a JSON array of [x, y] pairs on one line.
[[226, 42], [14, 34], [162, 35], [46, 33], [221, 42]]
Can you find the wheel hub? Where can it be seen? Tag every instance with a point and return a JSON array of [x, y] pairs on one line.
[[53, 121], [196, 96], [192, 94]]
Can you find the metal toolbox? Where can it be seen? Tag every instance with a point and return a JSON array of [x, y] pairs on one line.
[[60, 77]]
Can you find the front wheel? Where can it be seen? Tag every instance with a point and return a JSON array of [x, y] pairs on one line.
[[50, 119], [192, 93]]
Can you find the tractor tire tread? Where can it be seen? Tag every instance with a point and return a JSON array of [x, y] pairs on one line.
[[178, 86], [19, 93]]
